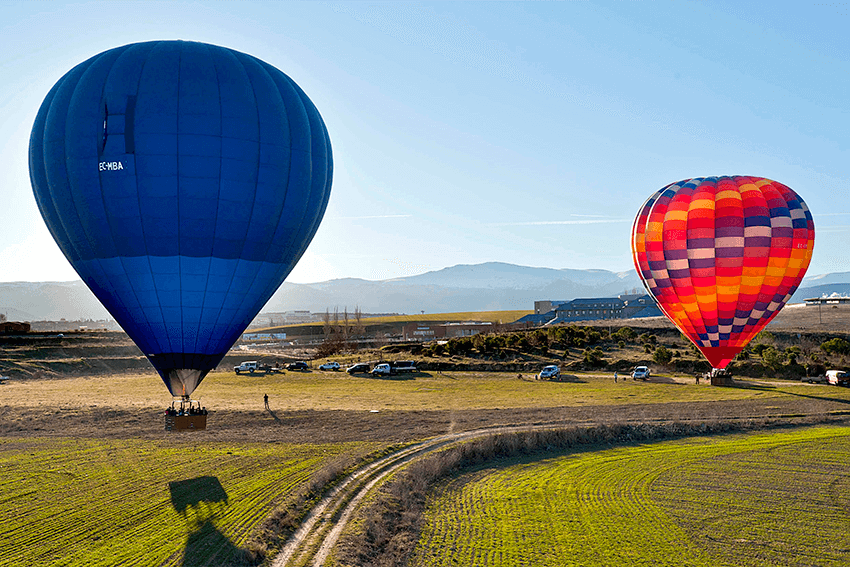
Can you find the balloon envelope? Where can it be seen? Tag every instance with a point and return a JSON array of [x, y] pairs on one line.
[[722, 256], [183, 181]]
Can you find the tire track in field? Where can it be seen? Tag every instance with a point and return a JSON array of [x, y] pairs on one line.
[[312, 543]]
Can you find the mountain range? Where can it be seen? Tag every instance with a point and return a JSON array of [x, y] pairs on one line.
[[491, 286]]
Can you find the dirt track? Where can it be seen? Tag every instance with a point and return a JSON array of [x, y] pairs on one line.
[[331, 426]]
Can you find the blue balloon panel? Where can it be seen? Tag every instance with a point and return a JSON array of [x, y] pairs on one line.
[[183, 181]]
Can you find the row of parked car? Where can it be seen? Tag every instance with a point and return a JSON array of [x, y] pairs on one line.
[[383, 368], [834, 377], [379, 369], [553, 372]]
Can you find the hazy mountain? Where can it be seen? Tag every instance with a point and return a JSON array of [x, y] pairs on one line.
[[49, 301], [477, 287], [819, 290]]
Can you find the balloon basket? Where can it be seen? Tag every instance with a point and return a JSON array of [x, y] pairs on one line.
[[185, 415], [721, 377]]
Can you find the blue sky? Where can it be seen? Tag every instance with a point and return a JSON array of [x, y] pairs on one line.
[[524, 132]]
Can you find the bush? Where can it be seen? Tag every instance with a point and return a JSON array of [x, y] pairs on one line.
[[624, 334], [773, 358], [662, 356], [836, 346]]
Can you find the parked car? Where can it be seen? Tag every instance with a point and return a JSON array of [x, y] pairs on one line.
[[247, 366], [360, 367], [383, 369], [298, 365], [838, 377], [549, 372], [640, 373], [814, 379], [404, 366], [330, 366]]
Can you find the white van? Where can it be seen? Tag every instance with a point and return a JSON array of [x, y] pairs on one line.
[[838, 378]]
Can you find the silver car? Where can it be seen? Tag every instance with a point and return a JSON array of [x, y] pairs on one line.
[[548, 372], [640, 373]]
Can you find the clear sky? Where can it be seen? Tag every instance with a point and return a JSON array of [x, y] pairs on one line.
[[524, 132]]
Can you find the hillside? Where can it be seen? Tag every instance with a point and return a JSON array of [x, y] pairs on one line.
[[491, 286]]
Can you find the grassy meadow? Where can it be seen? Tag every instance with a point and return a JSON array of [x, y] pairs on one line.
[[154, 498], [93, 502], [755, 499]]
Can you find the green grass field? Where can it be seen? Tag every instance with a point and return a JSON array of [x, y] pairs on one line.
[[757, 499], [88, 502]]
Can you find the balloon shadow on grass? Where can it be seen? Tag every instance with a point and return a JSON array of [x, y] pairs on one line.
[[200, 500]]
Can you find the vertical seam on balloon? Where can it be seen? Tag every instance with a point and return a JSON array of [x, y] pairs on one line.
[[111, 228], [326, 172], [67, 178], [748, 335], [147, 254], [672, 286], [786, 261], [217, 202], [714, 246], [729, 341], [44, 167], [325, 140], [179, 248], [238, 259], [694, 324], [85, 232], [265, 294], [302, 107], [138, 198]]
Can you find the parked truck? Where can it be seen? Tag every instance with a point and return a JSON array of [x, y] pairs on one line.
[[252, 366], [838, 377]]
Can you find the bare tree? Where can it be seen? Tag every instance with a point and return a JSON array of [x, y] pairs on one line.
[[358, 322]]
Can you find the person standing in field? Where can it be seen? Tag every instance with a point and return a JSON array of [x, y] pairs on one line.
[[266, 400], [615, 376]]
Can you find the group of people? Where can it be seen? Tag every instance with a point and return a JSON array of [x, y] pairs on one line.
[[191, 411]]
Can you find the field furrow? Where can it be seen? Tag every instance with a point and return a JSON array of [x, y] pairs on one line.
[[737, 500], [130, 502]]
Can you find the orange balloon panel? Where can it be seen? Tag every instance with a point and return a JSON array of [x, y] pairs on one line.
[[722, 256]]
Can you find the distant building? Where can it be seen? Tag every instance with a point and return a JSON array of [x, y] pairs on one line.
[[12, 328], [425, 332], [629, 306], [833, 299]]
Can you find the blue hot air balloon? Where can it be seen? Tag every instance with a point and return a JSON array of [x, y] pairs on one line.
[[183, 181]]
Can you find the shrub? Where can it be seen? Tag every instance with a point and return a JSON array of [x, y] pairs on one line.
[[625, 334], [773, 358], [662, 356], [759, 349], [836, 346]]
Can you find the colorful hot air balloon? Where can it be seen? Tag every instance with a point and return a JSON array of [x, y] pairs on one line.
[[183, 181], [722, 256]]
